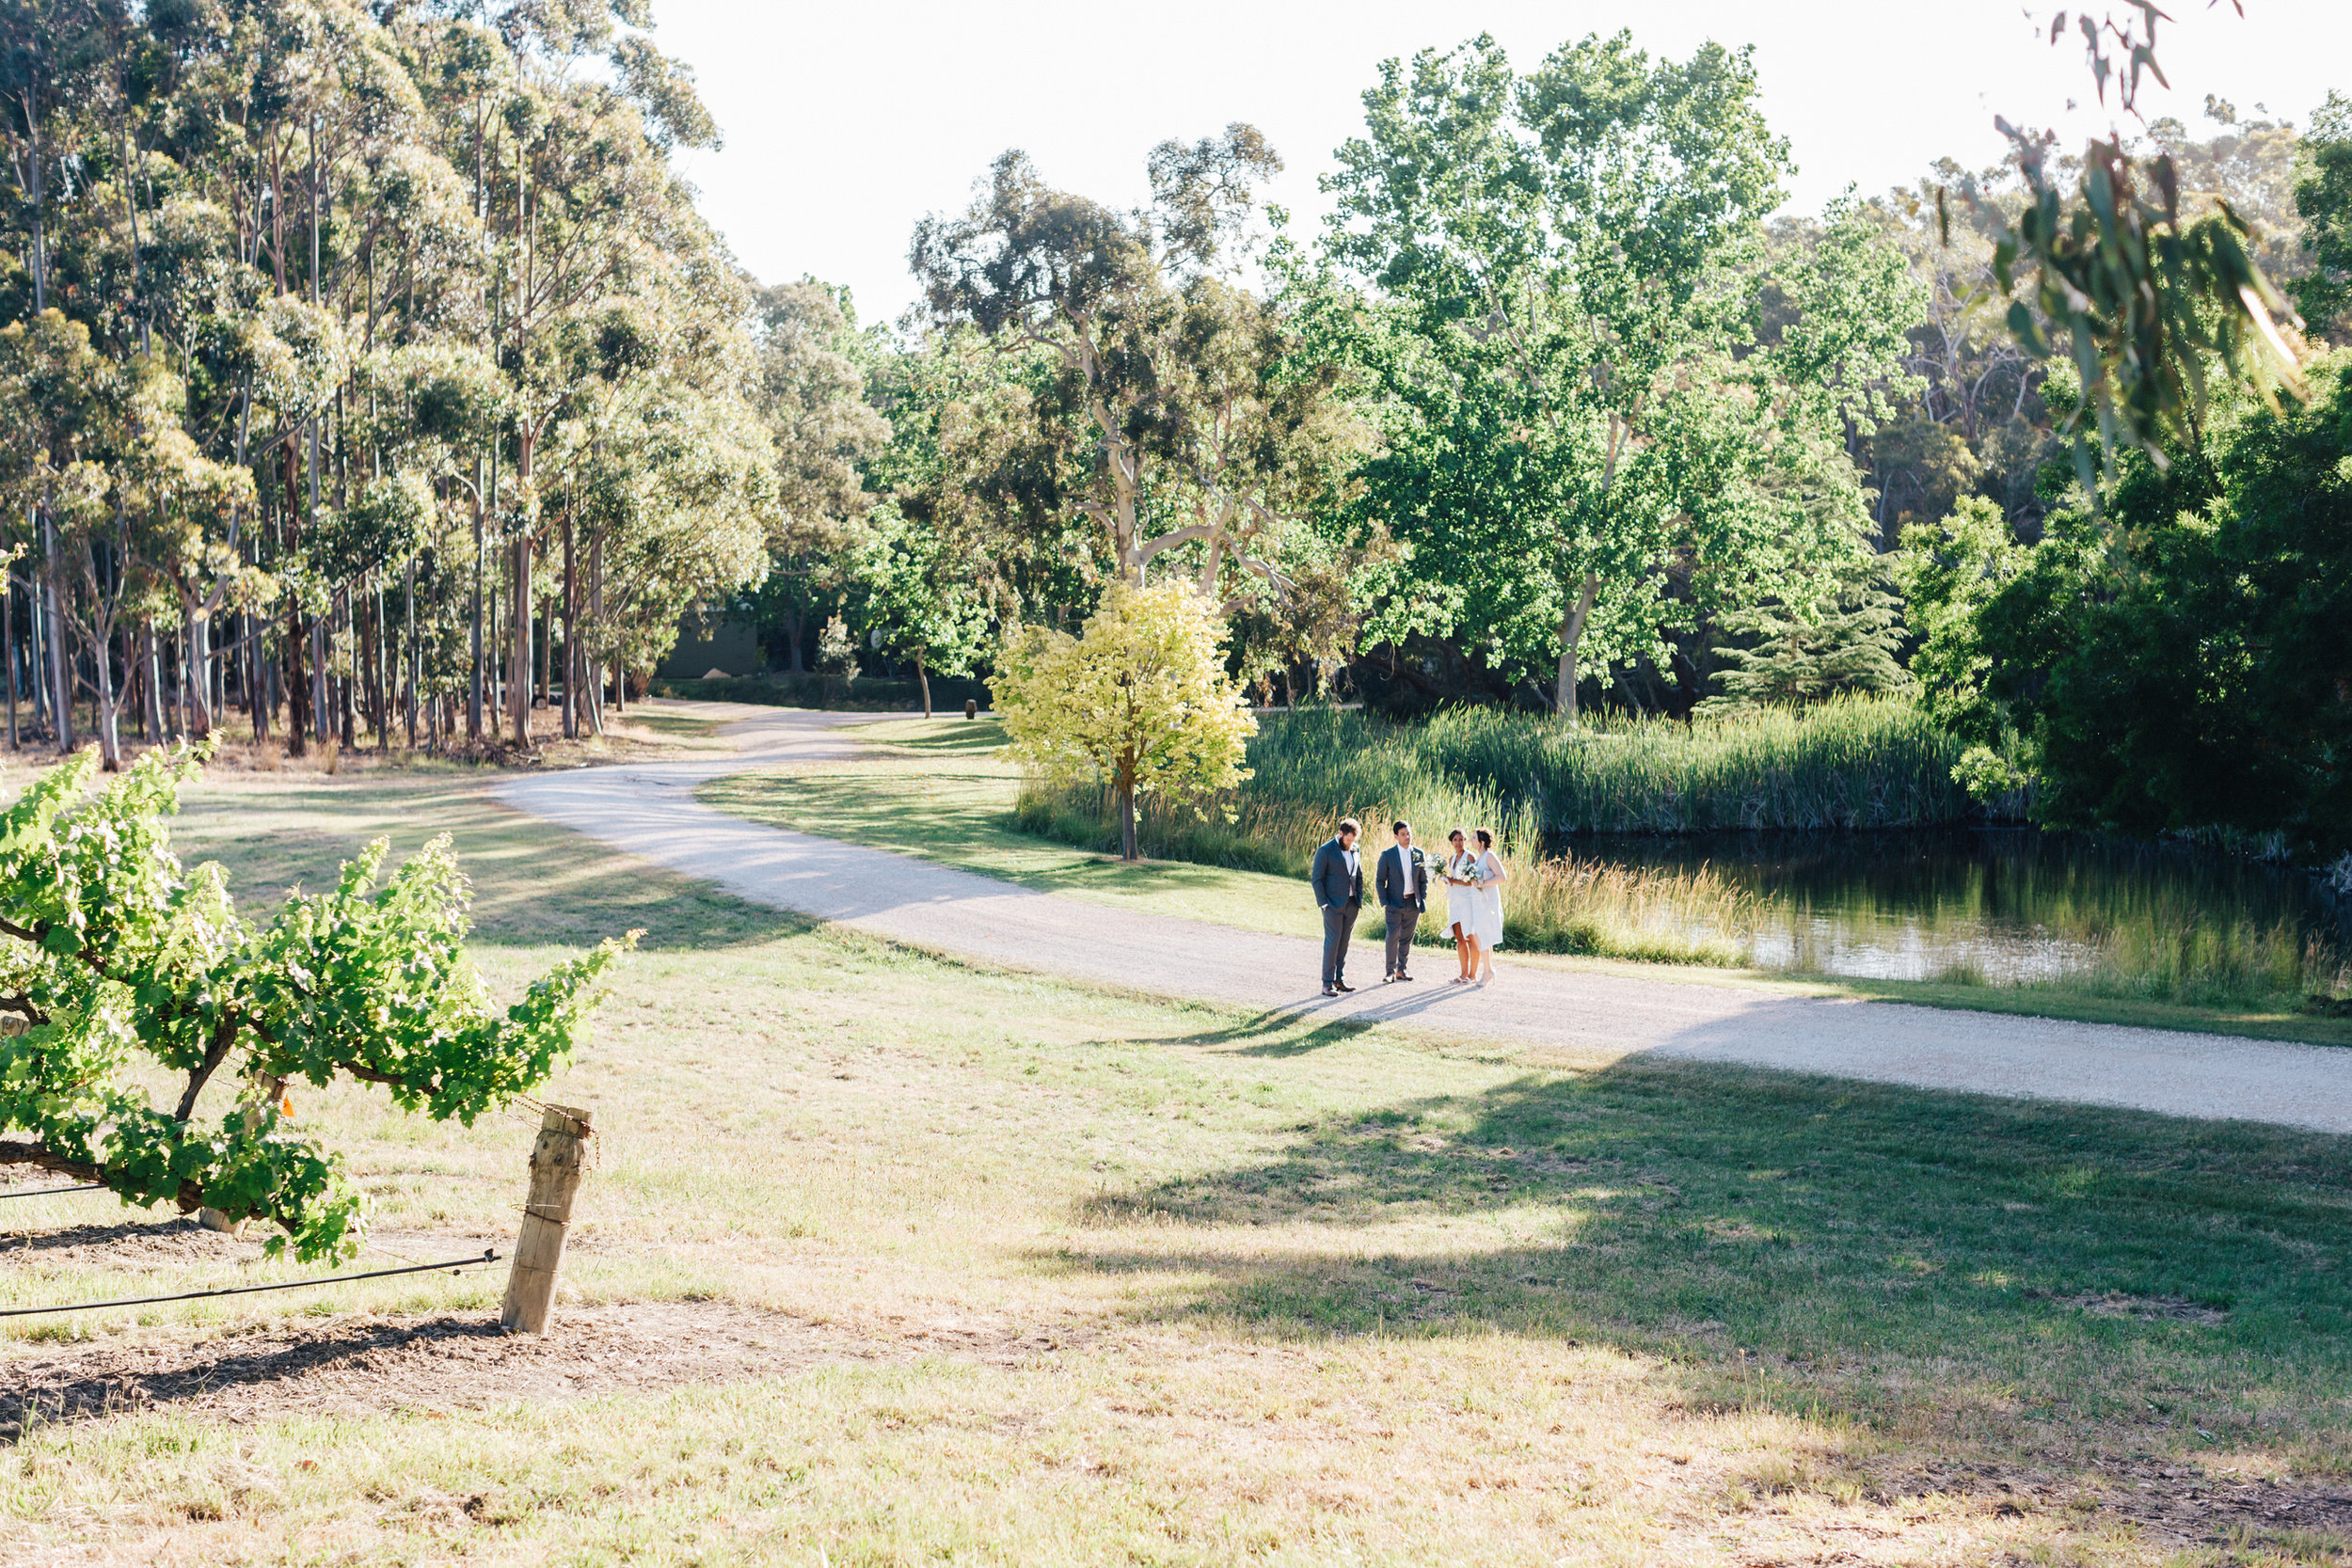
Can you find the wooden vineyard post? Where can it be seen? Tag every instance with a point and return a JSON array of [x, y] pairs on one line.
[[555, 1169]]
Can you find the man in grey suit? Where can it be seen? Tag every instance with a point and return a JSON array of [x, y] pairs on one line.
[[1338, 876], [1402, 884]]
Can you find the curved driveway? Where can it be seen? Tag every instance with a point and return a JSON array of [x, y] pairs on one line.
[[1569, 1017]]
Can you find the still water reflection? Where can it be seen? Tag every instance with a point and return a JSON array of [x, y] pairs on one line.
[[2004, 906]]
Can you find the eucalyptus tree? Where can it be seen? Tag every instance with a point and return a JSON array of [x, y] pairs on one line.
[[600, 265], [980, 456], [814, 398], [323, 223], [52, 60], [676, 498], [2143, 294], [1169, 423], [1560, 323], [126, 517], [2322, 198]]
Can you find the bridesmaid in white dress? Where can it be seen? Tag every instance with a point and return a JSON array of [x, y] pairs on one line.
[[1461, 902], [1487, 900]]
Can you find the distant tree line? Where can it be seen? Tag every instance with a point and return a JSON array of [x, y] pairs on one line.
[[366, 369], [1555, 412]]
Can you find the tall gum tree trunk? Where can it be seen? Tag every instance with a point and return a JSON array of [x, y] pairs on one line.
[[199, 685], [571, 631], [519, 665], [473, 689], [296, 685], [151, 679], [60, 671], [596, 619], [8, 645], [409, 640], [109, 741], [1572, 633]]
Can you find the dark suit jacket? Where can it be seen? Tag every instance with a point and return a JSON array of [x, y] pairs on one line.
[[1397, 890], [1333, 886]]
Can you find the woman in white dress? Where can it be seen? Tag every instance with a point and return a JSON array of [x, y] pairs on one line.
[[1461, 898], [1486, 900]]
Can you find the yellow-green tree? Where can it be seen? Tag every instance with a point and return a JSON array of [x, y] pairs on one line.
[[1138, 701]]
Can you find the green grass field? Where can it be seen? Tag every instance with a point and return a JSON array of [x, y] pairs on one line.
[[939, 789], [1079, 1277]]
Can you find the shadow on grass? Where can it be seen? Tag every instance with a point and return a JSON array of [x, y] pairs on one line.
[[533, 886], [680, 724], [69, 1237], [1276, 1034], [971, 738], [1825, 1246], [113, 1389]]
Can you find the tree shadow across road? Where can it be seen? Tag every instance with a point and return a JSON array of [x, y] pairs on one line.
[[1820, 1245]]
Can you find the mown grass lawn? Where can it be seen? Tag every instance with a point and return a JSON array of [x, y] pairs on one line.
[[1260, 1291]]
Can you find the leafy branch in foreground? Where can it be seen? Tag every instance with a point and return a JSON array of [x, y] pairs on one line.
[[111, 953], [2125, 284]]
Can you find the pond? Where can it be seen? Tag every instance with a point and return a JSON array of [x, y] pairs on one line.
[[2003, 907]]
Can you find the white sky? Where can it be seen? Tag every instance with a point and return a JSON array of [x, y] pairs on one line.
[[845, 124]]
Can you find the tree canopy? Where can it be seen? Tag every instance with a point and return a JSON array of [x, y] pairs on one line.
[[1562, 331], [1139, 702]]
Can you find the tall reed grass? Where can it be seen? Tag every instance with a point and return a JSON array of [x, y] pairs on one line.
[[2201, 962], [1853, 763]]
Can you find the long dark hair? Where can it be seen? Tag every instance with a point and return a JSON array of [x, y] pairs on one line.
[[1486, 839]]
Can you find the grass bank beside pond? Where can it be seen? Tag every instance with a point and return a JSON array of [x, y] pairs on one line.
[[1047, 1276], [941, 790]]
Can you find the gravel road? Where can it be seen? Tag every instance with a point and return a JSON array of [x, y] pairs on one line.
[[1568, 1017]]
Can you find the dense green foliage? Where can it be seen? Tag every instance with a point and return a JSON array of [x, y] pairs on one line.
[[2324, 198], [333, 329], [119, 959], [1574, 389], [2179, 662], [1138, 703]]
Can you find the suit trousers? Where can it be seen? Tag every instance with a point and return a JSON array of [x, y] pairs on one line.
[[1402, 922], [1337, 926]]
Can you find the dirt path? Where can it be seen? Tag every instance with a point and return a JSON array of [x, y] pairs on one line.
[[1569, 1017]]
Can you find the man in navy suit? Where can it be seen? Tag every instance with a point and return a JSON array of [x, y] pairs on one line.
[[1403, 884], [1338, 876]]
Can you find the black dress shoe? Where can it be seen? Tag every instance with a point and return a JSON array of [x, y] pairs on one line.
[[1406, 978], [1345, 985], [1328, 991]]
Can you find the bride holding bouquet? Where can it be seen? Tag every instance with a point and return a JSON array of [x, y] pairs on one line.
[[1473, 887], [1484, 897]]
